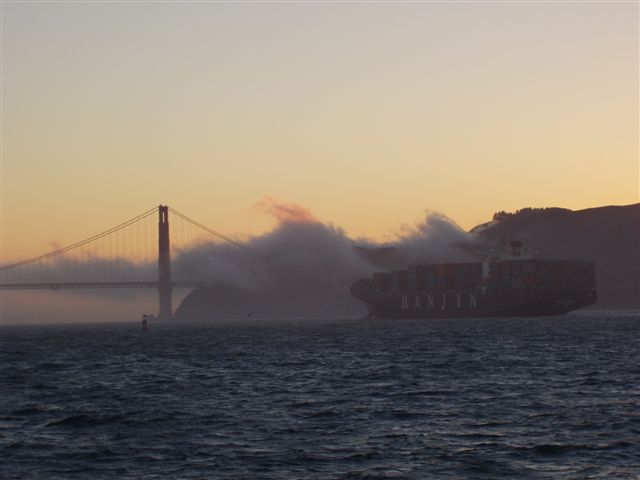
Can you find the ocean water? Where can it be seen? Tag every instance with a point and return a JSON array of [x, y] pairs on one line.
[[539, 398]]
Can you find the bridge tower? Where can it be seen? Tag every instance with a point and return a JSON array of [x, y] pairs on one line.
[[164, 265]]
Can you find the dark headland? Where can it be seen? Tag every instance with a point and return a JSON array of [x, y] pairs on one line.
[[608, 236]]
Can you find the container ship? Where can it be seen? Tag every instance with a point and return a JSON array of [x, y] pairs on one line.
[[509, 282]]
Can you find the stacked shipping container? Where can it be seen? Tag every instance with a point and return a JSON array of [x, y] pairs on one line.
[[541, 275], [504, 275]]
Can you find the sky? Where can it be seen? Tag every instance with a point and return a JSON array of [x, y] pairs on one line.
[[367, 114]]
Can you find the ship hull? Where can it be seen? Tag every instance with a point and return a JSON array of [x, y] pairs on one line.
[[477, 303]]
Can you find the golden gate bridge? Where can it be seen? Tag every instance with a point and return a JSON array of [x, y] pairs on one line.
[[120, 257]]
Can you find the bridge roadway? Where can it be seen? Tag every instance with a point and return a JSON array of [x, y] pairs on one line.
[[81, 285]]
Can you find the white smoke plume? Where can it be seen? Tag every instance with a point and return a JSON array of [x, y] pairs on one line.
[[304, 266], [438, 239]]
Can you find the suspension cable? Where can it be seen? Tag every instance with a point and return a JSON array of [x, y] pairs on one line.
[[83, 242], [207, 229]]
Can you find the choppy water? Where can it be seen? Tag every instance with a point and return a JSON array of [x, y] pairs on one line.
[[482, 398]]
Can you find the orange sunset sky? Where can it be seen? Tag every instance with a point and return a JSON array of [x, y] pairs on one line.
[[367, 114]]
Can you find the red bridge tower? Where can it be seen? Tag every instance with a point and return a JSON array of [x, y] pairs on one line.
[[165, 287]]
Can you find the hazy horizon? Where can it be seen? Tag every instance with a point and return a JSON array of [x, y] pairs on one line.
[[297, 259]]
